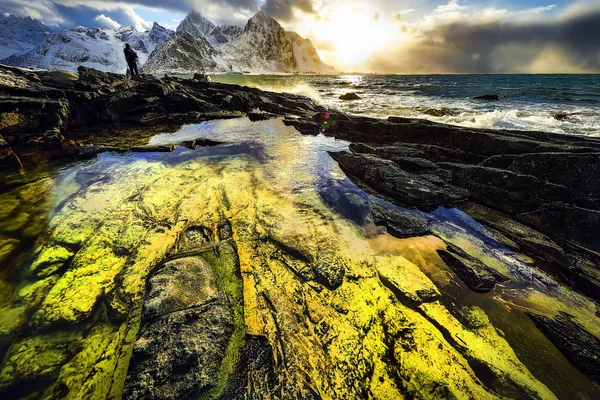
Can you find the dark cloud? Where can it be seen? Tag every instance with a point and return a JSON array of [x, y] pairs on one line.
[[283, 10], [500, 47]]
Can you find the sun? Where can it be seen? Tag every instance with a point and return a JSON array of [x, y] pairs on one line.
[[354, 34]]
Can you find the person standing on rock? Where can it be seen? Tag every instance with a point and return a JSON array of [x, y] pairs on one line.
[[132, 59]]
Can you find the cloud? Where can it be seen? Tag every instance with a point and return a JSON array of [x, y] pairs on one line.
[[464, 40], [106, 22], [285, 9]]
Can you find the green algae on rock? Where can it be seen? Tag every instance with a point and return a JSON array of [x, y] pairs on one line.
[[330, 311]]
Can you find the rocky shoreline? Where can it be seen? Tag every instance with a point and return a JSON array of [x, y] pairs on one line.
[[537, 193], [57, 111]]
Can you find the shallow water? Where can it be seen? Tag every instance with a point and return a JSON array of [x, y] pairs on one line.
[[531, 102], [80, 239]]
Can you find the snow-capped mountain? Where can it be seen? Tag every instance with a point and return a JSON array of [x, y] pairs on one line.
[[227, 33], [200, 27], [181, 54], [262, 47], [98, 48], [307, 58], [19, 35]]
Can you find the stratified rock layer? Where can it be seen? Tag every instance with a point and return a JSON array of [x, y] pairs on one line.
[[542, 180]]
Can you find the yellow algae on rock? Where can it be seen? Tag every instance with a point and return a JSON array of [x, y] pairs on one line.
[[489, 351], [406, 280], [8, 246], [37, 357], [50, 259], [345, 316]]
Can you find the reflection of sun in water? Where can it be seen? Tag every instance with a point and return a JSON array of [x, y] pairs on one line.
[[355, 33]]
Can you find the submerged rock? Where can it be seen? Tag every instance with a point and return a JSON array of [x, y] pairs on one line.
[[578, 345], [401, 225], [478, 277], [489, 97], [350, 96]]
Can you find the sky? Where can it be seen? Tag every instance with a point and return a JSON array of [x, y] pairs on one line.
[[383, 36]]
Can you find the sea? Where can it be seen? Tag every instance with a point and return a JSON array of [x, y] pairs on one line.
[[562, 103]]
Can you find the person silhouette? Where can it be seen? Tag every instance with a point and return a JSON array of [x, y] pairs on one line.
[[132, 58]]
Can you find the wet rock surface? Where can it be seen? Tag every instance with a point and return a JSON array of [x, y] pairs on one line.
[[247, 287], [255, 372], [473, 272], [350, 96], [401, 225], [541, 180], [186, 327], [578, 345], [44, 109]]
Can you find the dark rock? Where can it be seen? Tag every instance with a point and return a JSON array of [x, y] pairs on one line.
[[189, 144], [44, 110], [260, 116], [186, 327], [489, 97], [350, 96], [567, 221], [305, 128], [440, 112], [166, 148], [400, 225], [206, 142], [561, 116], [200, 77], [578, 345], [387, 151], [504, 189], [7, 157], [405, 157], [254, 376], [93, 77], [478, 277], [576, 171], [408, 189], [90, 150]]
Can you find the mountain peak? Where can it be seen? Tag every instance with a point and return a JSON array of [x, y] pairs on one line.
[[262, 22], [196, 25], [157, 27], [262, 16]]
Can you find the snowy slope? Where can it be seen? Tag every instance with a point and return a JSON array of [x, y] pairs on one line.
[[200, 27], [181, 54], [19, 35], [307, 58], [99, 48], [263, 47]]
